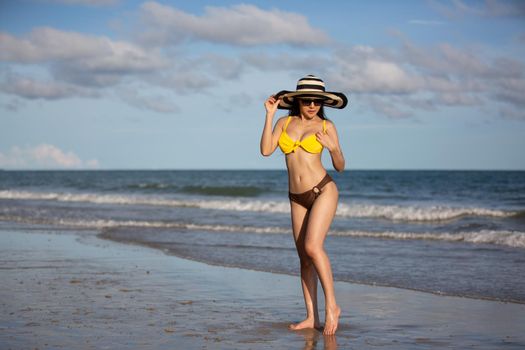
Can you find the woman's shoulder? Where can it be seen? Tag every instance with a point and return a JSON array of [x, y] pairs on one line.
[[328, 122], [282, 119]]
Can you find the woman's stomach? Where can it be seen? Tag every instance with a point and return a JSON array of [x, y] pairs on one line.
[[304, 171]]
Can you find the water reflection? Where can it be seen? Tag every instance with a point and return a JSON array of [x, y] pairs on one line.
[[313, 337]]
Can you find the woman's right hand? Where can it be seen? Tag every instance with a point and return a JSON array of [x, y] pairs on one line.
[[271, 104]]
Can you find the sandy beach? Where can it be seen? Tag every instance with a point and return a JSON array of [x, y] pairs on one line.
[[72, 290]]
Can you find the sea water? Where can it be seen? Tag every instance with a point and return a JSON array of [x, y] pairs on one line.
[[444, 232]]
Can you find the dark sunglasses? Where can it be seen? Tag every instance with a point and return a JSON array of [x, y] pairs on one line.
[[307, 101]]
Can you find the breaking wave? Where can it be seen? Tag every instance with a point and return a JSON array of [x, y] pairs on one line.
[[388, 212], [502, 237]]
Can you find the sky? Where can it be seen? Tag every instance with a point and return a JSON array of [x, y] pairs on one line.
[[114, 84]]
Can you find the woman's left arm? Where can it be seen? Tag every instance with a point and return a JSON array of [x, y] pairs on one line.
[[330, 140]]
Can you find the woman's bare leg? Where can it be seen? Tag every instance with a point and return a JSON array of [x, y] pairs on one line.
[[320, 217], [308, 273]]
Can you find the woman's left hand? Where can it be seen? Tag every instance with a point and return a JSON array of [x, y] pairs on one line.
[[326, 140]]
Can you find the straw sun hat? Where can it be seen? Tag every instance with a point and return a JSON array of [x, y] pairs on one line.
[[311, 87]]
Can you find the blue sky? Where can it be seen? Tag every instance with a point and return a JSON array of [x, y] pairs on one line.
[[109, 84]]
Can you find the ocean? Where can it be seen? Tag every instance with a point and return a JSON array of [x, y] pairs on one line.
[[458, 233]]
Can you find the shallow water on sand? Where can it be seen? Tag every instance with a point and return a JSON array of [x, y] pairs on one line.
[[68, 291]]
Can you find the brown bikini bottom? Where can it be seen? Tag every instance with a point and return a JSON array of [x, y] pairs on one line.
[[307, 199]]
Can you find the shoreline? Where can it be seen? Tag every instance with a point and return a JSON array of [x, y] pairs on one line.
[[65, 289], [103, 236]]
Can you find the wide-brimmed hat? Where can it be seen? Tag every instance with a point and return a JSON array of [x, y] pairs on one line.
[[311, 87]]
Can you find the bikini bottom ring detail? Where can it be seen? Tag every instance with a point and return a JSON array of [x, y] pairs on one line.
[[307, 199]]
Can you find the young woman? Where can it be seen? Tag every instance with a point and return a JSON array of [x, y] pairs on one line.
[[302, 136]]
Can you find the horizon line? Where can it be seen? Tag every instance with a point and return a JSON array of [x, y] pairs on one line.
[[257, 169]]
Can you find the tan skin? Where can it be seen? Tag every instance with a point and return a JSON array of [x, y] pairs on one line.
[[309, 227]]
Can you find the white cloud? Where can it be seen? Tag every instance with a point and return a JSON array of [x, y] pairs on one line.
[[244, 25], [399, 82], [368, 70], [46, 44], [460, 71], [511, 90], [183, 81], [43, 156], [458, 99], [387, 106], [80, 58], [387, 76], [222, 66], [396, 81], [393, 81], [445, 59], [87, 2], [156, 103], [487, 8], [49, 90], [81, 64]]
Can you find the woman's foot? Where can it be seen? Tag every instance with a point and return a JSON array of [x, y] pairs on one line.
[[308, 323], [332, 320]]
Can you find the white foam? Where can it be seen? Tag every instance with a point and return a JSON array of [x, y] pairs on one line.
[[514, 239], [233, 204], [389, 212], [508, 238], [93, 198], [415, 213], [104, 223], [245, 205]]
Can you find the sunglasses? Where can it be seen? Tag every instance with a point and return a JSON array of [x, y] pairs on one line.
[[308, 101]]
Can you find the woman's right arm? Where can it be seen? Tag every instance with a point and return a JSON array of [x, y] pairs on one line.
[[269, 139]]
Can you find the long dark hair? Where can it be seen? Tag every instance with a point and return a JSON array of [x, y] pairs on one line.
[[295, 111]]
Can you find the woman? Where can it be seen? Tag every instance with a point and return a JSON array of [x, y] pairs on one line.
[[302, 135]]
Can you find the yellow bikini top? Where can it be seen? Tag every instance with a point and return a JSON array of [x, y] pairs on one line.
[[308, 143]]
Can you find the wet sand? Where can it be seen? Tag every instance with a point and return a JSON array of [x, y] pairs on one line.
[[68, 290]]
